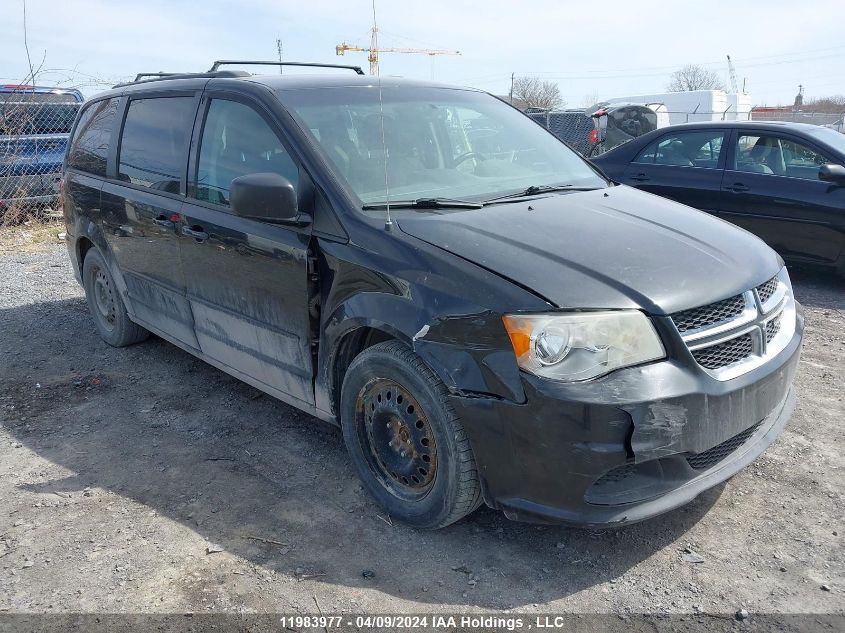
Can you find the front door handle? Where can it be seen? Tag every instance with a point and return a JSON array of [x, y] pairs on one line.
[[197, 234], [737, 187], [640, 177], [163, 221]]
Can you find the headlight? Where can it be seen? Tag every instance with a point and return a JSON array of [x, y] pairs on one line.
[[582, 345]]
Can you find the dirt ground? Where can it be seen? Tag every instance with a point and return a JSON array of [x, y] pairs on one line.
[[143, 480]]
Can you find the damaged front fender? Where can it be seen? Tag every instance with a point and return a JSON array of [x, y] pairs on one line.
[[472, 355], [451, 319]]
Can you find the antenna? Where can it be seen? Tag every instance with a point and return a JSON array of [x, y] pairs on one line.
[[279, 49], [388, 223]]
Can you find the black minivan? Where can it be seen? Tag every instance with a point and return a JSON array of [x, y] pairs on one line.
[[485, 316]]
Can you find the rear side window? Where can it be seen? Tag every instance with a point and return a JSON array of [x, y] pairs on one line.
[[237, 141], [154, 145], [685, 149], [90, 146]]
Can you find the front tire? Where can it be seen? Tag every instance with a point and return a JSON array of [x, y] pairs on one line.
[[405, 441], [106, 306]]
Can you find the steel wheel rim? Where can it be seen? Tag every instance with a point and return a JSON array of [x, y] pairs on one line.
[[397, 439], [104, 299]]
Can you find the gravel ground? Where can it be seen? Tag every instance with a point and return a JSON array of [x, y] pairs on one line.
[[143, 480]]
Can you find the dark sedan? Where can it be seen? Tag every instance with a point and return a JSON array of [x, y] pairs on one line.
[[784, 182]]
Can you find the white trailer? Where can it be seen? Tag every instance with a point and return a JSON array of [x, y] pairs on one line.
[[696, 105]]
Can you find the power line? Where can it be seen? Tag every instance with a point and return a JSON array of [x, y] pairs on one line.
[[627, 72]]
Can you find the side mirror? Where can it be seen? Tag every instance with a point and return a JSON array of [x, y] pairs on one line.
[[832, 173], [266, 196]]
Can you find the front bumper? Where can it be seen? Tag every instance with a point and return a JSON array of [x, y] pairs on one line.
[[629, 446]]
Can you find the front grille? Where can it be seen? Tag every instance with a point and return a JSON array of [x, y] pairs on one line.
[[712, 456], [724, 354], [772, 328], [708, 315], [766, 290], [727, 338]]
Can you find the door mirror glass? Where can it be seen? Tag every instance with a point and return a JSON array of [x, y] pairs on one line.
[[832, 173], [264, 196]]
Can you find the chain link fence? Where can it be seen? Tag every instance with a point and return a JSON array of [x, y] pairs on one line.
[[827, 119], [572, 126], [34, 128]]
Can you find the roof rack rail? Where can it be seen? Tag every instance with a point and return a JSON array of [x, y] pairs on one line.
[[144, 78], [232, 62], [141, 76]]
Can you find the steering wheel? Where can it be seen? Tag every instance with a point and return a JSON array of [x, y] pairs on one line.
[[465, 156]]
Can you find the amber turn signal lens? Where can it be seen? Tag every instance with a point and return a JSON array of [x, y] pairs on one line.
[[519, 331]]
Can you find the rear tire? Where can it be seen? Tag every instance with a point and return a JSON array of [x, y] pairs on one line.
[[404, 439], [106, 306]]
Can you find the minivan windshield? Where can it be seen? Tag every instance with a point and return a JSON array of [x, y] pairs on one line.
[[440, 143]]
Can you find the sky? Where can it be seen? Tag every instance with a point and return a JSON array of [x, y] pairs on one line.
[[591, 50]]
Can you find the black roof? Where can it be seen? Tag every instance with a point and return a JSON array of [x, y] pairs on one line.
[[299, 81], [762, 125]]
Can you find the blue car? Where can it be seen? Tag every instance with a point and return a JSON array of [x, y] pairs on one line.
[[35, 123]]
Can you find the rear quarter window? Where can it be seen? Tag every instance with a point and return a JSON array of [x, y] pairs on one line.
[[89, 148], [154, 145]]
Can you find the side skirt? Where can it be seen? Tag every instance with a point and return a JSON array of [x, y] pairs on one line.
[[271, 391]]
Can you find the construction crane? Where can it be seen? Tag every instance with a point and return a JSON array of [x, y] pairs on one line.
[[374, 50], [732, 75]]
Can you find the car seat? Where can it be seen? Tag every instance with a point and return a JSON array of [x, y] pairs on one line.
[[767, 154], [673, 154]]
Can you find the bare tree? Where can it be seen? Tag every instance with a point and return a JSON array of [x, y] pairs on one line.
[[531, 92], [692, 77], [833, 104], [590, 99]]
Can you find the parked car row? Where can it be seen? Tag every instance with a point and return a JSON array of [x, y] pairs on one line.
[[486, 316]]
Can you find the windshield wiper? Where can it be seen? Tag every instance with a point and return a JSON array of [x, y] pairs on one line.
[[425, 203], [534, 190]]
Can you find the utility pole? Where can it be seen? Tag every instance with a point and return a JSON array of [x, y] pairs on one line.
[[511, 92], [279, 49]]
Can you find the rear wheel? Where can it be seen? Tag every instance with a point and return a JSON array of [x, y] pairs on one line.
[[405, 441], [105, 304]]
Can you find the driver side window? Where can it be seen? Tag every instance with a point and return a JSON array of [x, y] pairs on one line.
[[777, 156], [237, 141]]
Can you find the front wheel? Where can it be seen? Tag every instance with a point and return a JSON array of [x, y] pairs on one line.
[[405, 441]]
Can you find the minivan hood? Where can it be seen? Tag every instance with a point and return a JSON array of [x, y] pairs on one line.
[[611, 248]]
